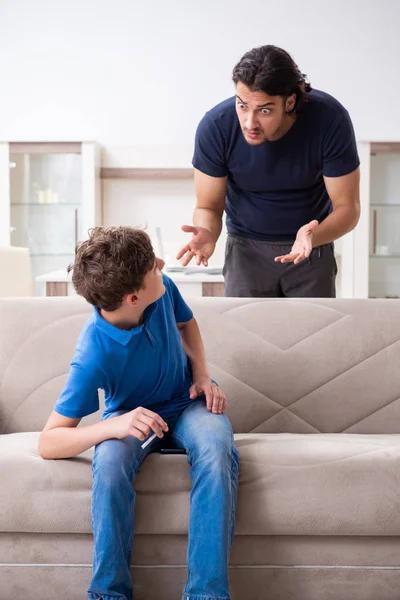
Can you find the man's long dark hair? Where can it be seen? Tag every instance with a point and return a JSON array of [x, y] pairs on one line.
[[272, 70]]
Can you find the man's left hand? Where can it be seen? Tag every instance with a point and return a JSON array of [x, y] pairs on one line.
[[215, 397], [302, 247]]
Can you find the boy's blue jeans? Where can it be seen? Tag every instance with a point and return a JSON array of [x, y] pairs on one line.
[[214, 467]]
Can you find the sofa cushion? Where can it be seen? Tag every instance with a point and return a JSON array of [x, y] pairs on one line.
[[290, 484]]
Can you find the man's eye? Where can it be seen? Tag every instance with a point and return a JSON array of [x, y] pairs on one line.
[[242, 106], [265, 111]]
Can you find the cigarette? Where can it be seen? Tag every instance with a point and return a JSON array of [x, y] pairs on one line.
[[148, 441]]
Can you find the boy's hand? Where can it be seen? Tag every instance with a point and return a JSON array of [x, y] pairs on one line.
[[139, 423], [215, 397]]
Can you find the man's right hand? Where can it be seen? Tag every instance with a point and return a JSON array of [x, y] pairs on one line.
[[202, 245], [139, 423]]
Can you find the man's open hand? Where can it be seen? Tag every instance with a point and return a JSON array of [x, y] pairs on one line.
[[202, 245], [302, 247]]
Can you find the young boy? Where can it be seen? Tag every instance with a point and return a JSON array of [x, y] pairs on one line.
[[143, 347]]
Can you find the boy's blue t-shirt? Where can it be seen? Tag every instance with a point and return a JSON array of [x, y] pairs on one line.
[[277, 187], [145, 366]]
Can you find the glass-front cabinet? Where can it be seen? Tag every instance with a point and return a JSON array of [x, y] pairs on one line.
[[372, 249], [51, 199], [384, 234]]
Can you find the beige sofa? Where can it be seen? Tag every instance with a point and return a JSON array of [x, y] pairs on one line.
[[313, 388]]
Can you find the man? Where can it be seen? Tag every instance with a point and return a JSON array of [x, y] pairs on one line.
[[281, 160], [143, 347]]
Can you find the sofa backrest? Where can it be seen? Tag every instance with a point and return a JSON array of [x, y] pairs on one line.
[[302, 366]]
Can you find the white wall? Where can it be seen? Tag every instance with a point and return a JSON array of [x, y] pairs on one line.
[[137, 77], [163, 203], [143, 73]]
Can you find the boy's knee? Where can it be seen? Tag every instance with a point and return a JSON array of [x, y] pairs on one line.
[[219, 451], [112, 462]]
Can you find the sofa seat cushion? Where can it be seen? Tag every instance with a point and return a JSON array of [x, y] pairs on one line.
[[290, 484]]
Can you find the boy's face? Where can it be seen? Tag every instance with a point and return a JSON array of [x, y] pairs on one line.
[[153, 287]]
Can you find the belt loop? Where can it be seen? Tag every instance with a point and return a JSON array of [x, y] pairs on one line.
[[319, 252]]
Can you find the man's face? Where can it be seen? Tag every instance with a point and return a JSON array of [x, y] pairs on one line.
[[262, 118]]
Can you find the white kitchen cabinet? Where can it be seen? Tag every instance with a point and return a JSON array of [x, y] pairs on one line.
[[50, 195], [374, 249]]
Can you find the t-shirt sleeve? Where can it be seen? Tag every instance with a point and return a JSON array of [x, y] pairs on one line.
[[340, 156], [209, 149], [181, 310], [80, 397]]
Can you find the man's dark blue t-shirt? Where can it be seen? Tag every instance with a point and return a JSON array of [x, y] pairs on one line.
[[277, 187]]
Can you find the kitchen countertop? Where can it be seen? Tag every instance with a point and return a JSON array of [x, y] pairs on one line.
[[179, 277]]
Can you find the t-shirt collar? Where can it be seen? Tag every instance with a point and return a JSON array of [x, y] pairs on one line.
[[124, 336]]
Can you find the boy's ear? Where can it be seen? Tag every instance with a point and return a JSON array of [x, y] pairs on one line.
[[130, 300]]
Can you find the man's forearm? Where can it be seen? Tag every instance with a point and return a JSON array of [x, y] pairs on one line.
[[342, 220], [194, 349], [209, 219], [67, 442]]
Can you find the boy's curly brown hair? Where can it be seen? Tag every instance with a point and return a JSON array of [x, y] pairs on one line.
[[113, 262]]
